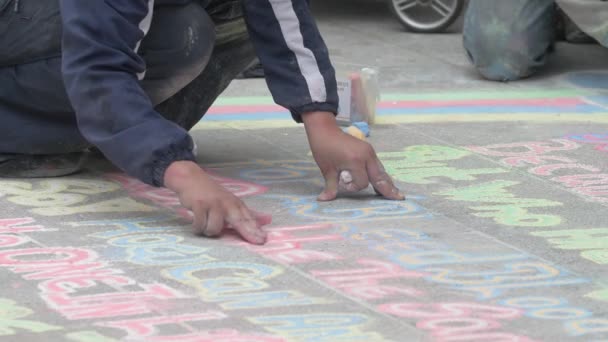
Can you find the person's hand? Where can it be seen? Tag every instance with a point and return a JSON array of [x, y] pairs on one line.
[[347, 163], [214, 207]]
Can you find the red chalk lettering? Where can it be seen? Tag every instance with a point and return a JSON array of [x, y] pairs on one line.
[[16, 225], [146, 327], [530, 148], [547, 170]]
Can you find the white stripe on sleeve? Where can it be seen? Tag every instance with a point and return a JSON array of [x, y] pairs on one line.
[[290, 28], [144, 25]]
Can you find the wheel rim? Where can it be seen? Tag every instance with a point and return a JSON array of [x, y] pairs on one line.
[[425, 14]]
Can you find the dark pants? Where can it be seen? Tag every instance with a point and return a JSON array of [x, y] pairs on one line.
[[184, 77]]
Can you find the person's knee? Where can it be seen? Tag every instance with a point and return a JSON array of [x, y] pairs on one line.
[[503, 46], [503, 63], [177, 49], [196, 41]]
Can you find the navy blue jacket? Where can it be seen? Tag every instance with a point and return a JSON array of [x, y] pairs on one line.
[[102, 69]]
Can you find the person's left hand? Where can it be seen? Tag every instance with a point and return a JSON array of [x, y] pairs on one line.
[[347, 163]]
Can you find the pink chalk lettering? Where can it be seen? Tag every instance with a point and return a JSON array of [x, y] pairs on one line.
[[165, 197], [65, 285], [593, 191], [458, 321], [147, 327], [238, 187], [302, 256], [218, 336], [107, 305], [534, 160], [12, 240], [457, 326], [599, 140], [69, 269], [547, 170], [585, 180], [10, 258], [16, 225], [364, 282], [284, 247], [168, 199], [291, 253], [450, 310], [489, 337], [531, 148], [62, 270], [305, 228], [286, 237]]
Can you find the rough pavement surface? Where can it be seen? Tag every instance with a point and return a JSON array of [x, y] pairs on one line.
[[504, 236]]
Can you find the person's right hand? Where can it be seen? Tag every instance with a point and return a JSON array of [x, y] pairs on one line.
[[214, 207]]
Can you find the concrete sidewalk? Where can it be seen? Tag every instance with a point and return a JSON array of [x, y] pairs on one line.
[[504, 236]]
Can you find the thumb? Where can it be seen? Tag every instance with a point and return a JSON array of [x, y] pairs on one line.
[[331, 186]]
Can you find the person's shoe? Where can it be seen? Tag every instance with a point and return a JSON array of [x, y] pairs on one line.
[[41, 166]]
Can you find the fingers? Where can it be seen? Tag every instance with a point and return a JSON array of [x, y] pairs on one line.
[[261, 218], [199, 224], [354, 180], [381, 181], [243, 221], [215, 222], [233, 214], [331, 186]]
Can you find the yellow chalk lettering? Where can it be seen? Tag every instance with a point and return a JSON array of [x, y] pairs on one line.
[[118, 205]]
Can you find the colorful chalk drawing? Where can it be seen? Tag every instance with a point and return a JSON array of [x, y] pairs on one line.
[[599, 141], [310, 208], [12, 319], [426, 164], [131, 269], [593, 243], [59, 197], [168, 199], [505, 277], [532, 105], [590, 183]]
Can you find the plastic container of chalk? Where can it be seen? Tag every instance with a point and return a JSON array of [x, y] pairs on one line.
[[359, 96]]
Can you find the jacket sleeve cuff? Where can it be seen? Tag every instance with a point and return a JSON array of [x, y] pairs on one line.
[[181, 150], [297, 112]]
